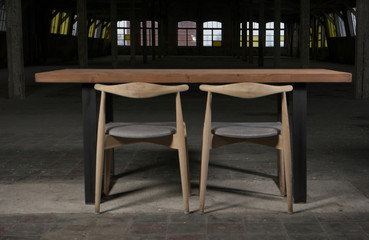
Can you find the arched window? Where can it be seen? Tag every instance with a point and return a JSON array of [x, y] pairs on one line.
[[149, 33], [269, 36], [124, 33], [186, 34], [212, 34], [60, 23]]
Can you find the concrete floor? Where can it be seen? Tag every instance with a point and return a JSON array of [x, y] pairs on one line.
[[41, 168]]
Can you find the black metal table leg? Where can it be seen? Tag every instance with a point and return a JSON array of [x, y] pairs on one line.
[[299, 142], [90, 115]]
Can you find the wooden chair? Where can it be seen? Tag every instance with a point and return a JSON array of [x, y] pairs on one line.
[[273, 134], [110, 135]]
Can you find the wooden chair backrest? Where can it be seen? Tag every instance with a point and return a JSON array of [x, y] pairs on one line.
[[246, 90], [140, 89]]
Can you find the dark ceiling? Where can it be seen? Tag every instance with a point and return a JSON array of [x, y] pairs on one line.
[[290, 9]]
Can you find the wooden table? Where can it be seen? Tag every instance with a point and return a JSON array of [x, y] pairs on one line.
[[298, 77]]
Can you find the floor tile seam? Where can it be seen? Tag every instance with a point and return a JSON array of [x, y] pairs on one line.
[[340, 233], [357, 190], [11, 228], [323, 228]]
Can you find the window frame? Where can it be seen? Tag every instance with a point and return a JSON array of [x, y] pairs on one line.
[[212, 37], [186, 30], [149, 33], [125, 38]]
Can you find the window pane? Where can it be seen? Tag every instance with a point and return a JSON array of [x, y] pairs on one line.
[[269, 44], [187, 24], [191, 37], [207, 38], [181, 43], [192, 43], [207, 32], [207, 43], [217, 38], [217, 32], [181, 37]]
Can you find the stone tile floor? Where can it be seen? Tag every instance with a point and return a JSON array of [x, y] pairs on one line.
[[179, 226]]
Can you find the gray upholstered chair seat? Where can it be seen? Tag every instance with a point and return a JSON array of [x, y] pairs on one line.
[[246, 130], [140, 130]]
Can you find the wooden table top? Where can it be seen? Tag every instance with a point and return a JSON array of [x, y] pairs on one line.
[[192, 75]]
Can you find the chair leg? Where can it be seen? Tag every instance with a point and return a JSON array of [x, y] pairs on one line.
[[183, 165], [99, 171], [288, 171], [204, 170], [281, 173], [108, 156], [188, 169]]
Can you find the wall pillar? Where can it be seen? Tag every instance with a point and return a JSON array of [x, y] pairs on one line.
[[244, 39], [304, 37], [82, 33], [362, 50], [153, 37], [133, 33], [114, 33], [144, 41], [14, 41], [277, 33], [251, 36], [261, 33]]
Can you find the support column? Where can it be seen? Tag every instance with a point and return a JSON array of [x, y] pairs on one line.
[[304, 41], [114, 33], [277, 33], [244, 40], [144, 41], [261, 33], [14, 41], [132, 13], [153, 40], [199, 35], [153, 53], [362, 50], [82, 33], [251, 36]]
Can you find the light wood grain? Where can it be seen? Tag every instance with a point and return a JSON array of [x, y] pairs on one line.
[[246, 90], [140, 90], [281, 141], [106, 142], [192, 75]]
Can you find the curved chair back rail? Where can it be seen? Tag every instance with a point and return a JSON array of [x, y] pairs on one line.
[[141, 89], [272, 134], [246, 89], [114, 134]]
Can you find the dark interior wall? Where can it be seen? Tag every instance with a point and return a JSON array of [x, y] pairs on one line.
[[40, 46], [64, 47], [342, 49], [3, 57]]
